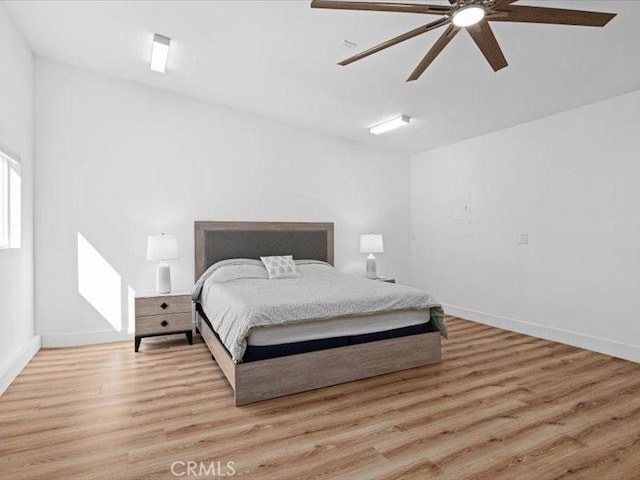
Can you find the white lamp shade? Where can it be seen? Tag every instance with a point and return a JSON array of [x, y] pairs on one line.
[[371, 243], [162, 247]]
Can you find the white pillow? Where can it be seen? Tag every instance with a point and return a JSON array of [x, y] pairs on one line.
[[280, 266], [229, 273], [258, 271]]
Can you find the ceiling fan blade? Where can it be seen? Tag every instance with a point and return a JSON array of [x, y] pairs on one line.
[[496, 4], [396, 40], [431, 55], [557, 16], [486, 41], [382, 7]]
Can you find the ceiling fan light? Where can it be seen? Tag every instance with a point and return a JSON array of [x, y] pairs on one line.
[[469, 15]]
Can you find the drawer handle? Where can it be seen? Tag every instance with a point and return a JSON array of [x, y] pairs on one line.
[[164, 323], [164, 306]]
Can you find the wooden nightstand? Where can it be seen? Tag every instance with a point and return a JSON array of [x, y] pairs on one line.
[[163, 314], [385, 279]]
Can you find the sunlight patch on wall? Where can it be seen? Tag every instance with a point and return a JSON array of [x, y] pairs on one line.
[[99, 283]]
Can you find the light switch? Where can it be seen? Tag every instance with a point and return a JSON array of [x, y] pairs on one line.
[[523, 239]]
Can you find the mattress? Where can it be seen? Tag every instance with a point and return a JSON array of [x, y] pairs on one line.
[[336, 327], [263, 352]]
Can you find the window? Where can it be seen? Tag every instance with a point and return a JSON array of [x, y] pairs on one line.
[[10, 196]]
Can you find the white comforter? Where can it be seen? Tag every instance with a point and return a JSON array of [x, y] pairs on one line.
[[237, 296]]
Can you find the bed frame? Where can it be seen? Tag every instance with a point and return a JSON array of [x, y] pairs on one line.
[[277, 377]]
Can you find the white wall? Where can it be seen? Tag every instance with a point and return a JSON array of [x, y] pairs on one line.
[[16, 265], [118, 161], [571, 182]]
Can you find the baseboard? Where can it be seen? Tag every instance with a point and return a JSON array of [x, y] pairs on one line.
[[16, 364], [601, 345], [59, 340]]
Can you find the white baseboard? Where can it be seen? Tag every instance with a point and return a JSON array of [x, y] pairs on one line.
[[15, 365], [59, 340], [601, 345]]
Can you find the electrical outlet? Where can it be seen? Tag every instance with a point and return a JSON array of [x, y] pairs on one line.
[[523, 239]]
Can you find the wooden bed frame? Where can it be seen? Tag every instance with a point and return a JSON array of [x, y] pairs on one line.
[[277, 377]]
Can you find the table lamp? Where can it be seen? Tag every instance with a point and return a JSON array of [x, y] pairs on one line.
[[371, 243], [162, 248]]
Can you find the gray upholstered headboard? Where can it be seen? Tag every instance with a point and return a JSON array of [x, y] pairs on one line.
[[216, 241]]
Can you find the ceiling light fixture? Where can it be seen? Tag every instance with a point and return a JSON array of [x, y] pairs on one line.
[[392, 124], [469, 15], [159, 53]]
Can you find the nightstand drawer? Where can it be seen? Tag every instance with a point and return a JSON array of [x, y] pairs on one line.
[[172, 322], [163, 305]]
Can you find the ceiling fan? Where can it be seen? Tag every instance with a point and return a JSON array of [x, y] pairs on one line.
[[472, 15]]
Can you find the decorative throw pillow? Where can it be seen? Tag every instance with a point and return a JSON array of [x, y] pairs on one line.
[[280, 267]]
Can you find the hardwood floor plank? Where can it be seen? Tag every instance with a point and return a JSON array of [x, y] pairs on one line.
[[500, 406]]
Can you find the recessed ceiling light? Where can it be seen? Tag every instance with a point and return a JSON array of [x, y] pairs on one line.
[[392, 124], [159, 53], [467, 16]]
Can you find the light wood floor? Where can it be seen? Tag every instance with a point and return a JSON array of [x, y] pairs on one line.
[[500, 406]]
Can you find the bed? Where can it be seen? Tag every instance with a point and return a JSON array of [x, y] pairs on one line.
[[278, 337]]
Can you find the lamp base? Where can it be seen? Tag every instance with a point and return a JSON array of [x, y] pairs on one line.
[[163, 278], [372, 269]]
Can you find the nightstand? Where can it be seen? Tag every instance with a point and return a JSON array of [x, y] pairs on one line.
[[385, 279], [163, 314]]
